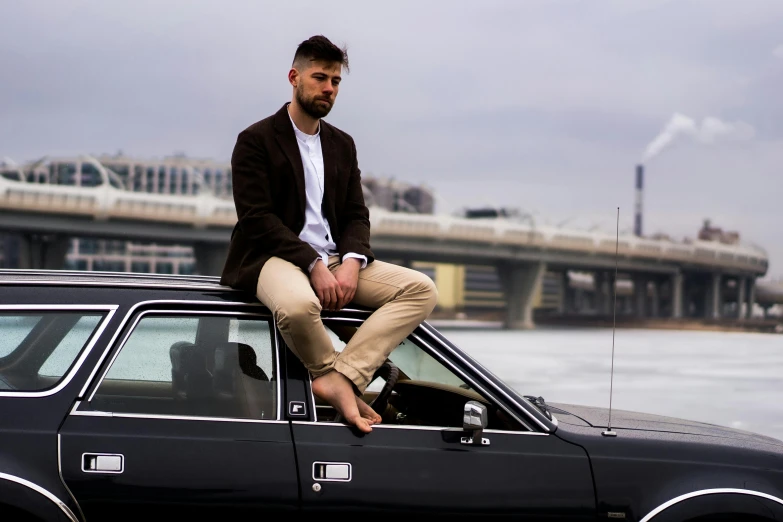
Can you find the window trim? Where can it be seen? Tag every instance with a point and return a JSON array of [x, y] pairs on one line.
[[85, 352], [432, 352], [162, 311]]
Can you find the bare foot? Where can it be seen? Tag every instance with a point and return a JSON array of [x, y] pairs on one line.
[[336, 389], [366, 411]]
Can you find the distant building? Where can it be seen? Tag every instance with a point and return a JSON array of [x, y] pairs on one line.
[[710, 233], [128, 256], [171, 175], [398, 196]]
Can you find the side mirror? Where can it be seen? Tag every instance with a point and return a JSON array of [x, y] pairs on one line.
[[474, 420]]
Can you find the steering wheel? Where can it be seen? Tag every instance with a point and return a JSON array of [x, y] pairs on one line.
[[390, 374]]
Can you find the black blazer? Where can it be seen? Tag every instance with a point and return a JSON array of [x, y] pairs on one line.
[[269, 194]]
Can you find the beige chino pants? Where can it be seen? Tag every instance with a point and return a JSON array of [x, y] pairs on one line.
[[402, 297]]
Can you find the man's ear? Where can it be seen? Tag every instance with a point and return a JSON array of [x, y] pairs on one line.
[[293, 77]]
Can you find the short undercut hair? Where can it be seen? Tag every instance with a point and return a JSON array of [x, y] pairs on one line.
[[319, 49]]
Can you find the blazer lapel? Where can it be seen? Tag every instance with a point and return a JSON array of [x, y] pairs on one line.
[[330, 171], [287, 141]]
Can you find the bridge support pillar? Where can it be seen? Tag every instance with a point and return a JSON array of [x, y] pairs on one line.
[[655, 299], [566, 304], [640, 296], [210, 258], [603, 293], [714, 297], [742, 283], [751, 297], [43, 251], [677, 295], [521, 282]]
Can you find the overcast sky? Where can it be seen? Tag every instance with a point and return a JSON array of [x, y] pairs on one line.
[[546, 105]]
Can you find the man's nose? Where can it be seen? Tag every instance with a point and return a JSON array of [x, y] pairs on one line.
[[328, 89]]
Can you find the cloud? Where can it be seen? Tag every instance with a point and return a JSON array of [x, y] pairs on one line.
[[541, 105], [710, 130]]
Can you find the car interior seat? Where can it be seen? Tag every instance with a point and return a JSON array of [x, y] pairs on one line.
[[191, 378], [239, 384]]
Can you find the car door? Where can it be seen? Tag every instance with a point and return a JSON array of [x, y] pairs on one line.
[[417, 461], [183, 420]]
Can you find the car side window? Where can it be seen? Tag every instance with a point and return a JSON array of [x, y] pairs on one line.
[[68, 349], [427, 393], [38, 348], [15, 328], [194, 365]]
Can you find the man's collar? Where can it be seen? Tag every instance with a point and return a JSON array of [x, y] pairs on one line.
[[299, 133]]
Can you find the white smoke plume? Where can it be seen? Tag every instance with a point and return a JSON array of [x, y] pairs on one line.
[[710, 130]]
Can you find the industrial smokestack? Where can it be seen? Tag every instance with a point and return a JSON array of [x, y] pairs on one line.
[[637, 223]]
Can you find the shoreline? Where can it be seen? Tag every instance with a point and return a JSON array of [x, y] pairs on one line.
[[769, 326]]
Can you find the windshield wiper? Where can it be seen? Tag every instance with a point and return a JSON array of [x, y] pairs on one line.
[[541, 404]]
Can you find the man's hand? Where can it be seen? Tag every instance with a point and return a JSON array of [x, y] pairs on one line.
[[326, 287], [347, 276]]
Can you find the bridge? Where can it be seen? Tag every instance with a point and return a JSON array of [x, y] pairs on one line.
[[669, 278]]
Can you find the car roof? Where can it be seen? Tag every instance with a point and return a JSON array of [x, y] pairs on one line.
[[91, 278]]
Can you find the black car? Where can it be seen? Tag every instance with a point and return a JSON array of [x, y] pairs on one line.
[[125, 396]]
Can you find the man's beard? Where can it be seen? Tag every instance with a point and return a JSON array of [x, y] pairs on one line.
[[312, 107]]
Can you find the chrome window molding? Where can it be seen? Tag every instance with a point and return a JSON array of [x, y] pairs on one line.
[[46, 493], [135, 284], [312, 397], [437, 355], [107, 273], [88, 413], [421, 428], [60, 473], [34, 307], [536, 415], [718, 491], [162, 311], [130, 313], [110, 311]]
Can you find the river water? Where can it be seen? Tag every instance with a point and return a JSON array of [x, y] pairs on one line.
[[730, 379]]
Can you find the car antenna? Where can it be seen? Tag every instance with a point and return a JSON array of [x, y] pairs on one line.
[[609, 432]]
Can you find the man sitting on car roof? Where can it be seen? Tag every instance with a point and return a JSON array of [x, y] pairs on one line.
[[302, 240]]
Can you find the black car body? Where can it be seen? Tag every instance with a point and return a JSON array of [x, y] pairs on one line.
[[137, 395]]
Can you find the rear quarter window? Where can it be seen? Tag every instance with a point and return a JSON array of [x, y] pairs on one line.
[[38, 348]]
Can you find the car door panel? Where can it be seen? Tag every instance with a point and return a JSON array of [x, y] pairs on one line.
[[416, 470], [184, 420], [181, 467], [416, 462]]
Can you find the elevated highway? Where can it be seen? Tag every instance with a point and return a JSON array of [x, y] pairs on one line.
[[692, 274]]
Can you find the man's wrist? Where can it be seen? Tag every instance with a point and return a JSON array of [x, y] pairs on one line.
[[353, 255], [353, 261], [312, 265]]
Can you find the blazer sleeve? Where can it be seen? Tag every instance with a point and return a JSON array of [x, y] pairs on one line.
[[258, 222], [355, 218]]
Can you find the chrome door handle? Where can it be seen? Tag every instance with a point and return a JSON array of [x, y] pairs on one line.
[[332, 471], [103, 463]]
